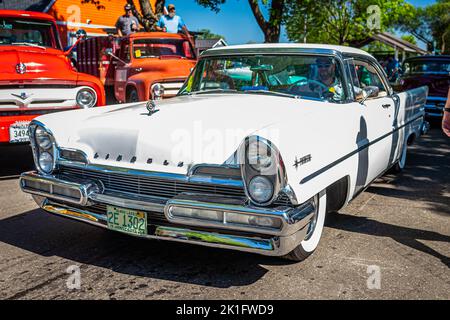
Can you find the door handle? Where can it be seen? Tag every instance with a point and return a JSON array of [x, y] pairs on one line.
[[387, 105]]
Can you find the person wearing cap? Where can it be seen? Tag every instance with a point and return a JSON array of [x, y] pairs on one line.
[[127, 24], [172, 23]]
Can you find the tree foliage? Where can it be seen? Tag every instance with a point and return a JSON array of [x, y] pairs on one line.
[[431, 24], [207, 34], [271, 26], [349, 22]]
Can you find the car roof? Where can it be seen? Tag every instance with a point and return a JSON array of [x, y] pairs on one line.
[[272, 47], [28, 14], [429, 57]]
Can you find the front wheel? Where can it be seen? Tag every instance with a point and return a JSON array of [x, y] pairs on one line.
[[132, 96], [314, 233]]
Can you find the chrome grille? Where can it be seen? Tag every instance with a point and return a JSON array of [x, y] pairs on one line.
[[158, 187]]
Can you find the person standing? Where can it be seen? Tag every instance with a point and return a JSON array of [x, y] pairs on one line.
[[127, 24], [172, 23], [446, 118]]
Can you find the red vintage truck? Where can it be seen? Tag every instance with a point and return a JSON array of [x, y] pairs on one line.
[[142, 66], [36, 75]]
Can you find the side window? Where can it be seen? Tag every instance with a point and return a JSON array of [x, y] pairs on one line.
[[367, 75], [125, 51]]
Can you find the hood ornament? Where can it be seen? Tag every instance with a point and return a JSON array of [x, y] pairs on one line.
[[21, 68], [151, 107], [22, 95]]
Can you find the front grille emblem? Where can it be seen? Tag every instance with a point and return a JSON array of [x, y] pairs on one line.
[[22, 95], [21, 68]]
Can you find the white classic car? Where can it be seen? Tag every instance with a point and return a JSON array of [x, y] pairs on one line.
[[250, 160]]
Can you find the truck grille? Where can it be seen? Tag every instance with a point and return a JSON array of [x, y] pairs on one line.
[[171, 88], [157, 187]]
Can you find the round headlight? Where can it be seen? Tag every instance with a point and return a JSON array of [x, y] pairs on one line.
[[46, 162], [86, 98], [42, 138], [157, 91], [260, 189], [259, 156]]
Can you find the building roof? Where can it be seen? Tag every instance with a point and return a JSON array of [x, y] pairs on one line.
[[324, 48], [393, 41], [30, 5]]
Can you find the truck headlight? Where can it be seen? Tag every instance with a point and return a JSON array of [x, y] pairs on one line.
[[44, 148], [86, 98], [157, 91], [260, 189]]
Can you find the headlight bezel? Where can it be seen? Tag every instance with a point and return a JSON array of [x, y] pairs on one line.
[[86, 106], [275, 172], [38, 150]]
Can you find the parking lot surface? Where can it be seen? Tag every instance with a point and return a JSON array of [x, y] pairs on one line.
[[392, 241]]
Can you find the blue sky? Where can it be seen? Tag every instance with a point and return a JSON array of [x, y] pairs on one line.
[[235, 20]]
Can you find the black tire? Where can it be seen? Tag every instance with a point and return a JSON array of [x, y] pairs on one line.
[[132, 96], [311, 242]]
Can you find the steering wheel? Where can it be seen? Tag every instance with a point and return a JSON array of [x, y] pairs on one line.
[[304, 82]]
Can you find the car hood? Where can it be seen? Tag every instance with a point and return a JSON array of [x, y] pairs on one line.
[[437, 83], [40, 63], [182, 132]]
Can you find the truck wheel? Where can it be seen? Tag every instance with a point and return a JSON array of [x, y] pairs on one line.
[[400, 164], [314, 233], [132, 96]]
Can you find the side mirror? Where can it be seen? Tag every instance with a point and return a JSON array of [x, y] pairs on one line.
[[366, 93], [80, 34]]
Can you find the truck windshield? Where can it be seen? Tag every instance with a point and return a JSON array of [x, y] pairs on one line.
[[305, 76], [151, 48], [20, 31], [427, 66]]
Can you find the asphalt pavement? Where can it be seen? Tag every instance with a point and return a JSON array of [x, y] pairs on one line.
[[392, 241]]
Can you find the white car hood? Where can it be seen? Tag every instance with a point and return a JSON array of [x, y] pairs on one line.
[[184, 131]]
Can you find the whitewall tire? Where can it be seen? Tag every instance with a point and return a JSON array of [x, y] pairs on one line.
[[314, 233]]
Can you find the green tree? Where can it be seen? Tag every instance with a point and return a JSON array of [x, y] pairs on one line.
[[410, 38], [271, 27], [207, 34], [348, 22]]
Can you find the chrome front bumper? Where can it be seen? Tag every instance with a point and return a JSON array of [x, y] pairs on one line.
[[74, 199]]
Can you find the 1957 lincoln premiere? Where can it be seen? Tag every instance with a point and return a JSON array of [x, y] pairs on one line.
[[259, 144]]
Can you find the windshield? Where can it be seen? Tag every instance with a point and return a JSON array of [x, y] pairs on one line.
[[314, 77], [428, 66], [18, 31], [151, 48]]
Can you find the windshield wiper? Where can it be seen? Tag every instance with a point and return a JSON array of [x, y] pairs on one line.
[[273, 93], [28, 44]]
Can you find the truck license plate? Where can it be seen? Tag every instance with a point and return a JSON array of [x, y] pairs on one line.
[[126, 220], [18, 132]]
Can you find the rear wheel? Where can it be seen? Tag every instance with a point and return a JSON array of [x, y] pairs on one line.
[[132, 96], [401, 163], [314, 233]]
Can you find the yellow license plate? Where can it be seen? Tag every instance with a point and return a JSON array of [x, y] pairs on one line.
[[127, 220]]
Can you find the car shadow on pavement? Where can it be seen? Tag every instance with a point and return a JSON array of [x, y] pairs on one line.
[[407, 236], [15, 159], [47, 235]]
